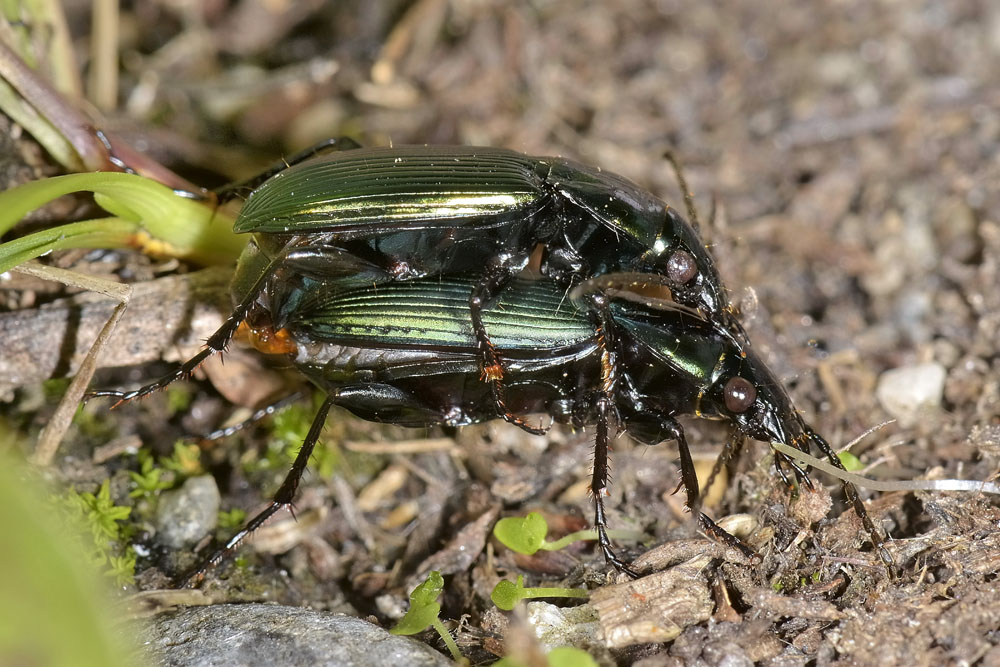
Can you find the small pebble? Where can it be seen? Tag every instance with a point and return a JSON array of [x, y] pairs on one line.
[[187, 514], [906, 392], [564, 626]]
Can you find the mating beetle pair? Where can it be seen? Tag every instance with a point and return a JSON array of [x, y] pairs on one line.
[[363, 216], [328, 229]]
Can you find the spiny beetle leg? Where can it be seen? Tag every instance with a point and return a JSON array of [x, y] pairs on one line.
[[851, 492], [719, 534], [268, 409], [599, 485], [689, 477], [283, 498], [217, 342], [610, 377], [483, 296]]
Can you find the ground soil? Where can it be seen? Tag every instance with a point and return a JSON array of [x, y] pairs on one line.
[[844, 160]]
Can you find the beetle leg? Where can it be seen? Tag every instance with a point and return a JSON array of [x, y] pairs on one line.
[[268, 409], [851, 492], [482, 297], [781, 460], [608, 347], [217, 342], [386, 403], [599, 485], [283, 498], [689, 479], [668, 428], [689, 476], [232, 190], [719, 534], [327, 262], [732, 447]]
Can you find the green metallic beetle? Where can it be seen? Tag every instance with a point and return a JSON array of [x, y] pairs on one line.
[[405, 353]]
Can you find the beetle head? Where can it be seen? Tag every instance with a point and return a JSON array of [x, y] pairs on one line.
[[746, 393], [682, 362]]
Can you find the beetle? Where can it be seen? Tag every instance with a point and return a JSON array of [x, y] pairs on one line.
[[371, 215], [406, 353]]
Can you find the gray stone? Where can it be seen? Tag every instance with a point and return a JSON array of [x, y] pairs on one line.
[[187, 514], [259, 634]]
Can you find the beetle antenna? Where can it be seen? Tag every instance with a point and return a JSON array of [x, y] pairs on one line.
[[692, 211]]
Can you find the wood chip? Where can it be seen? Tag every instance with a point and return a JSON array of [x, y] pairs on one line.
[[656, 608]]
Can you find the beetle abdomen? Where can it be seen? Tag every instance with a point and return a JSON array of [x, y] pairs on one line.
[[434, 313]]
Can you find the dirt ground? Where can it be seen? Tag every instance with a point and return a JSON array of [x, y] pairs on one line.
[[844, 157]]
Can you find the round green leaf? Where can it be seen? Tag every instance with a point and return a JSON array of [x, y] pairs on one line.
[[568, 656], [506, 594], [850, 462], [523, 535]]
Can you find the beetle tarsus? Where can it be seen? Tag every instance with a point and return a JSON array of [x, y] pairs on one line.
[[599, 485], [509, 417], [851, 493], [604, 541], [780, 461], [263, 412], [724, 537]]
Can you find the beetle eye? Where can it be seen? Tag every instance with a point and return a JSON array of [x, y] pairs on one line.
[[681, 267], [739, 394]]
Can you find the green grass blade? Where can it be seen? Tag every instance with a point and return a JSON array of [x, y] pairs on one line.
[[103, 233], [177, 226]]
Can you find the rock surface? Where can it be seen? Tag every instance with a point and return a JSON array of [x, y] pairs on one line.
[[258, 634]]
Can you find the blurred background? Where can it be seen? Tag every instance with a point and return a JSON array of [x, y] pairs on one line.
[[844, 159]]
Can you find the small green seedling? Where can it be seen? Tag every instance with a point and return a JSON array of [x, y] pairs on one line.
[[233, 519], [851, 462], [98, 512], [561, 656], [506, 594], [527, 535], [148, 482], [185, 460], [423, 613]]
